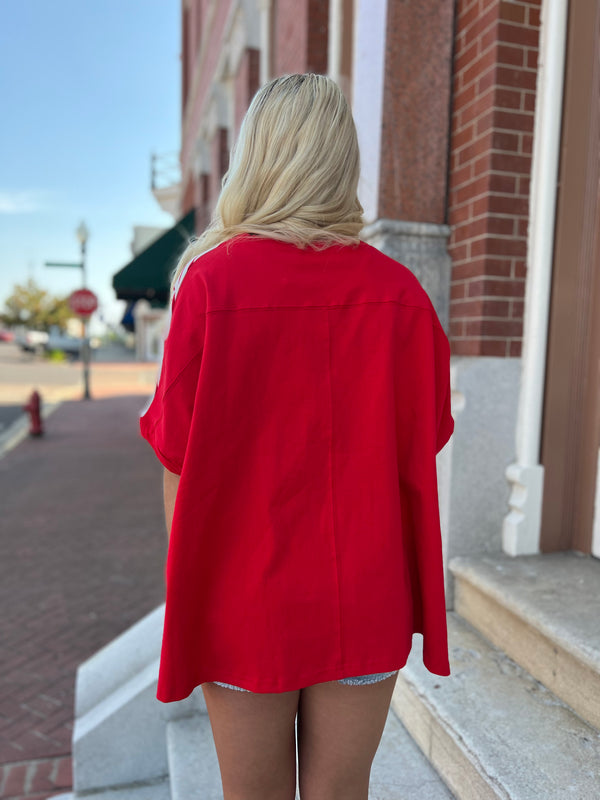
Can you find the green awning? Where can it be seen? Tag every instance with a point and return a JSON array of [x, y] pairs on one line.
[[148, 276]]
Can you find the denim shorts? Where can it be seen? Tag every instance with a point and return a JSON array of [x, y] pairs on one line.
[[359, 680]]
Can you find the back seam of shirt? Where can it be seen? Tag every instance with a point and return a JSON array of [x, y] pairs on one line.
[[332, 494], [316, 307]]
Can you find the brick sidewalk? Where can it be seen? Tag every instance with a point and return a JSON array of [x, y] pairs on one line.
[[82, 549]]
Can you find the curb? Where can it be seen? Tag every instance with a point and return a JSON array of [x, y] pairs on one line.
[[19, 430]]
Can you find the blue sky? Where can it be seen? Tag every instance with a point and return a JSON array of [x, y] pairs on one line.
[[88, 90]]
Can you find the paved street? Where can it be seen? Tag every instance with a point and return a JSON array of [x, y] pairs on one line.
[[8, 415], [82, 550], [21, 373]]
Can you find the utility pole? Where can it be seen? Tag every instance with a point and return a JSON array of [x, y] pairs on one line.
[[82, 234]]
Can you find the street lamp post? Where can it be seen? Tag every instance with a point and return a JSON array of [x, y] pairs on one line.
[[82, 234]]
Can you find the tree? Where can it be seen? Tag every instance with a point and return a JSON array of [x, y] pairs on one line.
[[35, 307]]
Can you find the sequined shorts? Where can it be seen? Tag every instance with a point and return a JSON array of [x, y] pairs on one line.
[[359, 680]]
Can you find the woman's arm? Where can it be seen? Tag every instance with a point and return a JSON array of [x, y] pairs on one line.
[[170, 484]]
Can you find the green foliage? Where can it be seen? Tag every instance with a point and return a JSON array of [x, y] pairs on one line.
[[56, 355], [36, 308]]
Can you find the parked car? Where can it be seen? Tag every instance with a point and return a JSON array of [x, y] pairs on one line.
[[58, 341], [7, 336], [62, 342], [32, 341]]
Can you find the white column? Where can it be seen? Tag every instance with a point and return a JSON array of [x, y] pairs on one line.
[[334, 44], [368, 73], [265, 40], [521, 528]]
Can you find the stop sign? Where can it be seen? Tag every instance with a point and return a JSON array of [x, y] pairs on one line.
[[83, 302]]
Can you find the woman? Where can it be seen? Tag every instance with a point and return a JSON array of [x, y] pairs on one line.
[[302, 398]]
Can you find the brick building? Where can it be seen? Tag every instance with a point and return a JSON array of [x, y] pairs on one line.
[[478, 123], [460, 185]]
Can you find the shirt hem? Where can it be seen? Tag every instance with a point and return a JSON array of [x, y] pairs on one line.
[[147, 432], [339, 673], [166, 462]]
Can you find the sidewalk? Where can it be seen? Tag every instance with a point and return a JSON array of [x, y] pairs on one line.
[[82, 549]]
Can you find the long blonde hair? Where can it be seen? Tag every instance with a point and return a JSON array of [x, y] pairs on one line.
[[294, 170]]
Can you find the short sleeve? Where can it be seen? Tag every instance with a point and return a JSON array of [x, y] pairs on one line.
[[445, 421], [166, 420]]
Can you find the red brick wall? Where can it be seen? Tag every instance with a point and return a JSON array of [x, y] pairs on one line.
[[192, 116], [246, 84], [195, 191], [191, 36], [204, 209], [290, 34], [416, 102], [189, 195], [299, 36], [220, 162], [495, 70], [195, 27], [318, 34]]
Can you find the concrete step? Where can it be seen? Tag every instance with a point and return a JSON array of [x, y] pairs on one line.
[[400, 771], [154, 791], [121, 740], [114, 664], [491, 730], [119, 731], [193, 766], [543, 612]]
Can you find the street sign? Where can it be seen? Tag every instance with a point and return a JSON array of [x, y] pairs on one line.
[[83, 302]]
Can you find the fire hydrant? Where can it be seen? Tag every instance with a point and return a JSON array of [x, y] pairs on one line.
[[34, 409]]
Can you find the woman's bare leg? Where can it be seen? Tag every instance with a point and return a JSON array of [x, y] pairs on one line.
[[339, 730], [255, 740]]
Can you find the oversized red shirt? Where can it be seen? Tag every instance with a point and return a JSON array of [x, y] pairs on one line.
[[303, 396]]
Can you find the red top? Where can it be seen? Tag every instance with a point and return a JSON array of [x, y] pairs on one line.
[[302, 397]]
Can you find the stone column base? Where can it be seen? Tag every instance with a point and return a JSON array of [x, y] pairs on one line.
[[423, 248]]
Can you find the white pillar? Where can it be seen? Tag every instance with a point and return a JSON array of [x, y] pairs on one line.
[[368, 73], [265, 40], [334, 44], [521, 528]]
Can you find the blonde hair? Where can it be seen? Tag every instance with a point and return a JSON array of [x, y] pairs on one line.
[[294, 170]]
